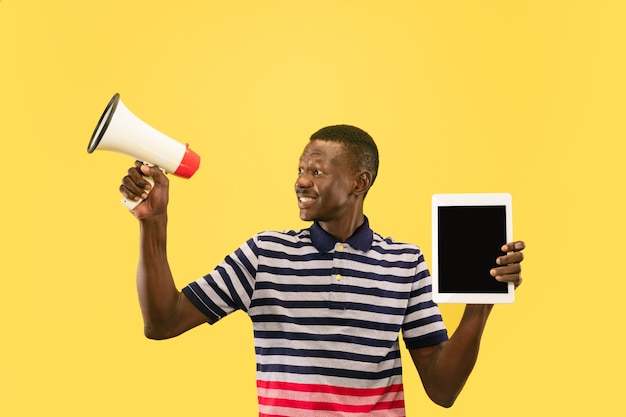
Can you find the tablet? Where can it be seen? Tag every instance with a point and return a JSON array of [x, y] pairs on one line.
[[468, 232]]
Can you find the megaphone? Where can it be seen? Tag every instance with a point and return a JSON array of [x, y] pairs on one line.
[[119, 130]]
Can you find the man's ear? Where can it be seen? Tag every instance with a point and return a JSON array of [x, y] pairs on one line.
[[363, 182]]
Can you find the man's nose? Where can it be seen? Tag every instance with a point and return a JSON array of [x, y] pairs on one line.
[[303, 181]]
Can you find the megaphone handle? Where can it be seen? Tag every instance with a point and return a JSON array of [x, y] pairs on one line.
[[131, 204]]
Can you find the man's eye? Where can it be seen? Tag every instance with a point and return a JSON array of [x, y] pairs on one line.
[[315, 172]]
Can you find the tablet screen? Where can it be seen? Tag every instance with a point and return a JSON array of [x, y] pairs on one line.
[[470, 238]]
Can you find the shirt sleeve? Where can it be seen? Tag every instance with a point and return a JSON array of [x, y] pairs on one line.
[[423, 325], [229, 286]]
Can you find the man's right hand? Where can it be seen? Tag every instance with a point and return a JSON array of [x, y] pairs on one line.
[[135, 187]]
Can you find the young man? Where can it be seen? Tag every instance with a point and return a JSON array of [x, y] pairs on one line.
[[327, 302]]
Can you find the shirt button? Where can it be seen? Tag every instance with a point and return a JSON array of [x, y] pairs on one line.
[[339, 277], [340, 247]]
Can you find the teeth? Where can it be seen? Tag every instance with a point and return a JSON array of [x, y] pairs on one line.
[[305, 199]]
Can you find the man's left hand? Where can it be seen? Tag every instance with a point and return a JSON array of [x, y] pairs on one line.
[[510, 268]]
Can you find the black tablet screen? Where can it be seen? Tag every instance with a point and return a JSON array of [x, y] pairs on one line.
[[470, 239]]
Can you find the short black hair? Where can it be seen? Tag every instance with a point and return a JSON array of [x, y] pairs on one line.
[[362, 151]]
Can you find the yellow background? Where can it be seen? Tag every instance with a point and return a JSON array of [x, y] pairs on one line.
[[525, 97]]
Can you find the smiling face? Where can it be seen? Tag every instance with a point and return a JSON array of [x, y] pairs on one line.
[[326, 184]]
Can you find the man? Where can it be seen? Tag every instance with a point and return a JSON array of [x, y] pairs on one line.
[[327, 302]]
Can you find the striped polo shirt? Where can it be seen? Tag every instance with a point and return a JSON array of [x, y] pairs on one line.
[[326, 317]]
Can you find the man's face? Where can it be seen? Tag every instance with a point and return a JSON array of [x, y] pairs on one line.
[[325, 182]]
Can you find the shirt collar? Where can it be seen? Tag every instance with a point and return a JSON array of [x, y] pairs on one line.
[[361, 239]]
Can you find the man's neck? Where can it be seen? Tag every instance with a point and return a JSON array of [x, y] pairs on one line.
[[344, 229]]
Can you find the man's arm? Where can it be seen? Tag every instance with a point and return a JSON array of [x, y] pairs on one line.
[[444, 368], [166, 311]]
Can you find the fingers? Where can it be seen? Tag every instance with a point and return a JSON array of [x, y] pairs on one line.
[[514, 246], [503, 272], [135, 186], [510, 269], [513, 257], [510, 273]]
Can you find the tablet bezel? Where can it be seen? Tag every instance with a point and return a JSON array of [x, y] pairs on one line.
[[469, 199]]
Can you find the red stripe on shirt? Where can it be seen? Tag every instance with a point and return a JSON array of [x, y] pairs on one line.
[[329, 398], [359, 392]]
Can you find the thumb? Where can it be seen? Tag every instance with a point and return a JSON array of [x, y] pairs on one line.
[[153, 171]]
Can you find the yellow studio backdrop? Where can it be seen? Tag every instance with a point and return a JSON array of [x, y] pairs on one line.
[[525, 97]]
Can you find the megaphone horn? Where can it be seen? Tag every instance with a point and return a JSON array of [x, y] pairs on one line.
[[119, 130]]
